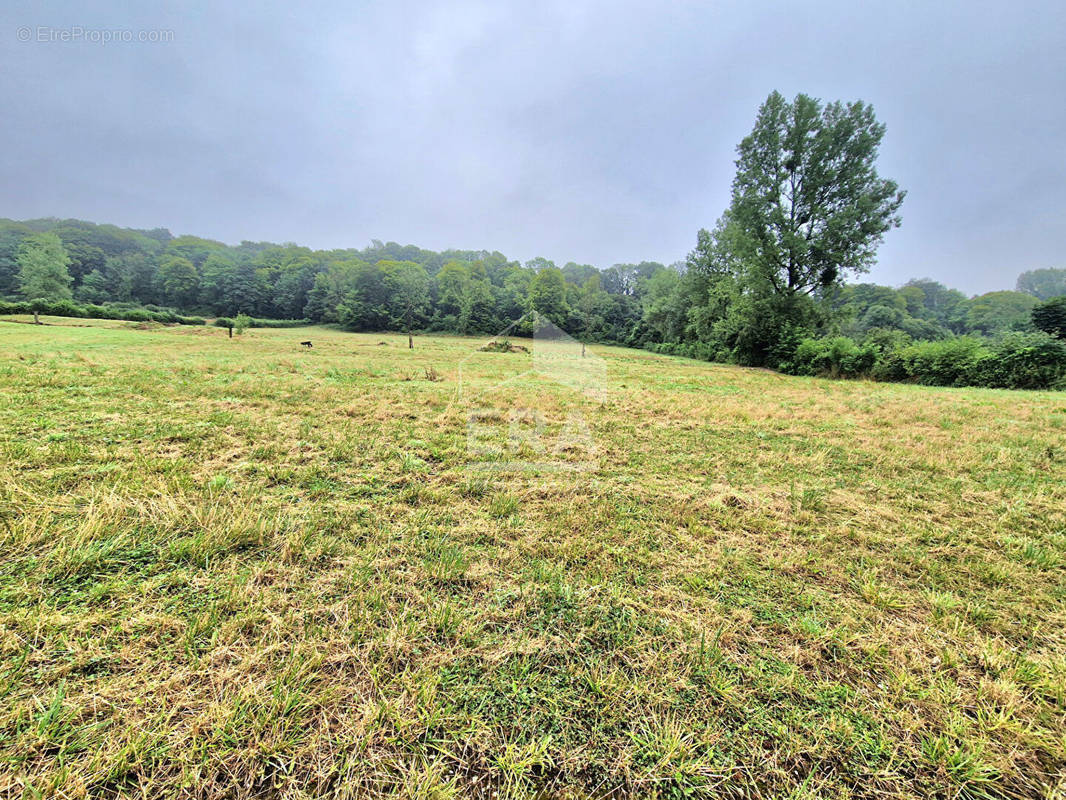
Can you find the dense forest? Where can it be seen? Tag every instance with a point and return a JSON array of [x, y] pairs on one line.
[[773, 284]]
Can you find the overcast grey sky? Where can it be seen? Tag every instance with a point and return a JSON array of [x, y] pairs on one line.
[[578, 131]]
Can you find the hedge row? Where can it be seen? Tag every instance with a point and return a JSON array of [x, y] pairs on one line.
[[229, 322], [130, 312], [1014, 361], [66, 308]]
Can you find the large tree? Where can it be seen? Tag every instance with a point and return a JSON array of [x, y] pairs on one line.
[[807, 198], [43, 275]]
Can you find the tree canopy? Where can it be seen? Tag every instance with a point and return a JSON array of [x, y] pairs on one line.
[[1043, 283], [808, 204]]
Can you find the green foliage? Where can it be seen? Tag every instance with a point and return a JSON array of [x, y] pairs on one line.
[[1043, 284], [241, 323], [180, 281], [807, 198], [363, 303], [43, 274], [764, 329], [722, 304], [252, 322], [1023, 361], [665, 305], [935, 303], [839, 357], [68, 308], [999, 311], [277, 323], [1014, 361], [947, 363], [94, 288], [1050, 317], [407, 287], [547, 295]]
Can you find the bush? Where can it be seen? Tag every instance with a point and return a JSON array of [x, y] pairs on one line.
[[16, 307], [952, 362], [1023, 361], [223, 322], [61, 308], [887, 340], [838, 357]]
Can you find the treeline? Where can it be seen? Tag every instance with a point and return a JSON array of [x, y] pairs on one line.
[[380, 287], [689, 308]]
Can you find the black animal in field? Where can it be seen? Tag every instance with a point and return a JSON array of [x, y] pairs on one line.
[[306, 344]]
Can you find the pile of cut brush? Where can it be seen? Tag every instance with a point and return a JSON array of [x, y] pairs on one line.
[[503, 347]]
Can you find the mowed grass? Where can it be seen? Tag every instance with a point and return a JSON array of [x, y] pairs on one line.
[[241, 568]]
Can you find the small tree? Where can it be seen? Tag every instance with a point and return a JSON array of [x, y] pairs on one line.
[[225, 322], [408, 287], [242, 323], [43, 274]]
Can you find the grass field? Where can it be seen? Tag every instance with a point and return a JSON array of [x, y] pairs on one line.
[[242, 568]]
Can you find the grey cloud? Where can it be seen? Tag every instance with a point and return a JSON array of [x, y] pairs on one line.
[[594, 132]]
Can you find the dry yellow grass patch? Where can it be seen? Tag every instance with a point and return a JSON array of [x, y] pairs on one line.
[[237, 568]]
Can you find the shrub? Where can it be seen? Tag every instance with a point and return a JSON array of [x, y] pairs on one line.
[[62, 308], [835, 358], [887, 340], [951, 362], [15, 308], [1023, 361]]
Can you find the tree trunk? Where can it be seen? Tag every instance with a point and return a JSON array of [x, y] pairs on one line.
[[36, 317], [582, 349], [230, 329], [410, 342]]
